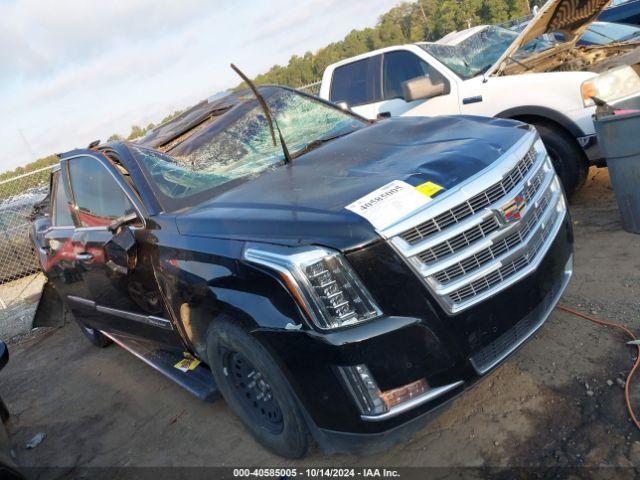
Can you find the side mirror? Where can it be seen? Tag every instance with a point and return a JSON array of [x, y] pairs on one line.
[[120, 252], [421, 88], [343, 106]]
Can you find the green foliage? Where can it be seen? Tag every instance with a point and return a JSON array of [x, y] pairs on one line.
[[30, 167], [409, 22], [171, 116], [115, 138]]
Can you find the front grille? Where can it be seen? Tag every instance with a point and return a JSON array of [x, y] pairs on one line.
[[474, 204], [488, 226], [500, 275], [498, 248], [481, 246]]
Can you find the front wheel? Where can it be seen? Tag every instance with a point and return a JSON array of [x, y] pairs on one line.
[[257, 391], [567, 157]]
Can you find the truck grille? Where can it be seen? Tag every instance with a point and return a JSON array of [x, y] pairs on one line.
[[477, 247], [474, 204]]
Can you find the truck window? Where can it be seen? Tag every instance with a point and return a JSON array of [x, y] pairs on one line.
[[61, 215], [99, 198], [357, 83], [399, 67]]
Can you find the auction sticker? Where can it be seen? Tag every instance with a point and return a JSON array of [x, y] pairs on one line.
[[388, 204]]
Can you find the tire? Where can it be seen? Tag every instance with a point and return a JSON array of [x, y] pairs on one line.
[[95, 336], [275, 419], [567, 157]]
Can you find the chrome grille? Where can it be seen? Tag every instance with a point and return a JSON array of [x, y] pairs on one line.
[[488, 226], [460, 241], [471, 250], [498, 248], [474, 204]]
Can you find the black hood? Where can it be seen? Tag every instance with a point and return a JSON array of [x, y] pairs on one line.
[[305, 203]]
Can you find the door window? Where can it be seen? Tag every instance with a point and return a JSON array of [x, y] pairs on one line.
[[61, 213], [357, 83], [400, 66], [98, 197]]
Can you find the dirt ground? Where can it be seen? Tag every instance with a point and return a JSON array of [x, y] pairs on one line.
[[557, 402]]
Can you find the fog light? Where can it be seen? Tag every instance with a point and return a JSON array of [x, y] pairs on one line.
[[363, 389], [399, 395], [368, 396]]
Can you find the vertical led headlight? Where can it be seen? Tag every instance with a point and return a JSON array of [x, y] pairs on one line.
[[322, 281]]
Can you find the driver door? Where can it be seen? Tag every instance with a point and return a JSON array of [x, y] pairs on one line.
[[117, 271], [401, 65]]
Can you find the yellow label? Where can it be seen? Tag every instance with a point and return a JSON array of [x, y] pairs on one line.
[[429, 188], [187, 363]]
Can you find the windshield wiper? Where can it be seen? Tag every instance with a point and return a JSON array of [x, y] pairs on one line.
[[272, 121], [316, 143]]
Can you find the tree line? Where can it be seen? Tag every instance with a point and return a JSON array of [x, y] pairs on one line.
[[409, 22]]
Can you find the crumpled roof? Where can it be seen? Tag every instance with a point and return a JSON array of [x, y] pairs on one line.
[[167, 132]]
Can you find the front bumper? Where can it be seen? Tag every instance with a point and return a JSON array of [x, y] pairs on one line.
[[332, 441], [416, 341]]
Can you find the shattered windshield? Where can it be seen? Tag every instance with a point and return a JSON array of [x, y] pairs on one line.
[[238, 146], [476, 54]]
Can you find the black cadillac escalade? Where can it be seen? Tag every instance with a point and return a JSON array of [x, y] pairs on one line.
[[338, 281]]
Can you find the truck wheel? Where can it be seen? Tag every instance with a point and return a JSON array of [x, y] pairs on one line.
[[94, 336], [566, 156], [257, 391]]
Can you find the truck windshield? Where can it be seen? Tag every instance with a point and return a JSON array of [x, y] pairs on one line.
[[237, 146], [476, 54]]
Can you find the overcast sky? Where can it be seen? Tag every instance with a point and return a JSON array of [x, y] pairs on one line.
[[76, 71]]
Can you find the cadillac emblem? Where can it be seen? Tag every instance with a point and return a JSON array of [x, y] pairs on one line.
[[512, 211]]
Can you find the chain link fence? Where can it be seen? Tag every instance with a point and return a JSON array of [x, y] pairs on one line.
[[19, 284]]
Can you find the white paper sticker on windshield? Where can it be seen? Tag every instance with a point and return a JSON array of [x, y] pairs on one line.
[[388, 204]]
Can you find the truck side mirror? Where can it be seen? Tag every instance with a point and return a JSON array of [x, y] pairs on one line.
[[421, 88]]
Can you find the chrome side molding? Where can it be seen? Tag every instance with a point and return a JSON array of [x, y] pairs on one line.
[[136, 317]]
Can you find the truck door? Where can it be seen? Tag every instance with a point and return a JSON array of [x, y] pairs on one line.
[[359, 85], [118, 277], [372, 87], [401, 65]]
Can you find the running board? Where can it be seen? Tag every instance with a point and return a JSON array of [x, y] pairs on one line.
[[198, 382]]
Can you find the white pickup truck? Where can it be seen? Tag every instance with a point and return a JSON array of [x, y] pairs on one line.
[[494, 71]]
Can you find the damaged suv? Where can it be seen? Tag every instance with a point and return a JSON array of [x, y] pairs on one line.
[[340, 279]]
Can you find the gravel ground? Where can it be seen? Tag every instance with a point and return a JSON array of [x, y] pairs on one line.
[[557, 402]]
